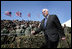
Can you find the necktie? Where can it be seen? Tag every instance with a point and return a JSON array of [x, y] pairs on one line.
[[45, 22]]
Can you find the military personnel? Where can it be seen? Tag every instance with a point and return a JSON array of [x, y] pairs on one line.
[[35, 26], [18, 31], [28, 30], [65, 29], [1, 31], [22, 30], [4, 31], [12, 32]]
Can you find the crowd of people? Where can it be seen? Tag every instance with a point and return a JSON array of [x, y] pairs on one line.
[[17, 27]]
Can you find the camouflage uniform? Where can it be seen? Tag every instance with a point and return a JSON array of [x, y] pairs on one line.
[[65, 30], [28, 31], [22, 30], [4, 31], [18, 32]]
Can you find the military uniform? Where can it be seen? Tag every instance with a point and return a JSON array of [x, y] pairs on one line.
[[12, 32], [65, 30], [4, 31], [22, 31], [28, 31], [18, 32]]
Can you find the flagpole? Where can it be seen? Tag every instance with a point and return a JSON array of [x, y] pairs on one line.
[[21, 18], [28, 18]]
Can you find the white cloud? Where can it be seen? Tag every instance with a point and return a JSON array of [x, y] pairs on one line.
[[68, 23]]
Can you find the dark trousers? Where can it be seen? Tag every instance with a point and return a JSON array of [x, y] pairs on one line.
[[50, 44]]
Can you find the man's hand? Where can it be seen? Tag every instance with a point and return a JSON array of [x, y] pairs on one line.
[[32, 32], [63, 38]]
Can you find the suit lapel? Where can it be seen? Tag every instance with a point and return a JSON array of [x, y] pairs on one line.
[[46, 22]]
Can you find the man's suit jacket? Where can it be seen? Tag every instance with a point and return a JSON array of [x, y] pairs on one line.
[[53, 29]]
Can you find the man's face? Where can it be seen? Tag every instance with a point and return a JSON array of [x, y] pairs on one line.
[[45, 13]]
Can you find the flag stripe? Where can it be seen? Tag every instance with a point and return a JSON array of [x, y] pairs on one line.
[[18, 14], [8, 13]]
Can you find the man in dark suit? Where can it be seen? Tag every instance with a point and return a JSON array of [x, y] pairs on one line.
[[52, 29]]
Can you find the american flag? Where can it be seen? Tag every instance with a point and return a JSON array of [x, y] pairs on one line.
[[8, 13], [18, 14]]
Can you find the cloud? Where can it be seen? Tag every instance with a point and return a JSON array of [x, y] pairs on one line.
[[68, 23]]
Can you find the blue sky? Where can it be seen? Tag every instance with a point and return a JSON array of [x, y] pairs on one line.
[[61, 8]]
